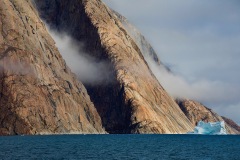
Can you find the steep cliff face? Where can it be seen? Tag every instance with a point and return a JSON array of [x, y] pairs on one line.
[[38, 92], [197, 112], [144, 46], [232, 124], [134, 101]]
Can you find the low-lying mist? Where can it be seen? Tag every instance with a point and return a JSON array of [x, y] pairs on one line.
[[88, 69], [221, 97], [201, 90]]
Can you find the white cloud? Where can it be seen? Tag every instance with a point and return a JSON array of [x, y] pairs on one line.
[[221, 97], [202, 90], [88, 69]]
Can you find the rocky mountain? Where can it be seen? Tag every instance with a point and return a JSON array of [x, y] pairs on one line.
[[134, 102], [38, 92], [196, 112], [193, 110], [40, 95]]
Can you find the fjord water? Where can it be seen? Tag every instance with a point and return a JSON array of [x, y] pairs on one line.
[[120, 147]]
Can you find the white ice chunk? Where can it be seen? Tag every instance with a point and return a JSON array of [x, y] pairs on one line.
[[210, 128]]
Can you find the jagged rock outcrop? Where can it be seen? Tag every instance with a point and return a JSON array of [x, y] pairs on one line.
[[134, 101], [196, 112], [232, 124], [38, 92]]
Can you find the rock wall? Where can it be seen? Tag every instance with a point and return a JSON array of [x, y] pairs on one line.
[[144, 46], [232, 124], [134, 101], [38, 92], [40, 95]]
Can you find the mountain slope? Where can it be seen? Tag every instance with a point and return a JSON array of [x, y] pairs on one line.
[[197, 112], [134, 101], [232, 124], [189, 107], [145, 47], [38, 92]]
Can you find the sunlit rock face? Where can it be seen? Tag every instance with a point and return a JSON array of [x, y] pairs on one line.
[[134, 101], [144, 46], [210, 128], [40, 95], [196, 112], [38, 92]]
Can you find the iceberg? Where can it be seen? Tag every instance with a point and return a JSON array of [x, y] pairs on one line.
[[210, 128]]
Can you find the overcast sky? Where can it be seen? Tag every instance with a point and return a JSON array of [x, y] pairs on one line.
[[199, 40]]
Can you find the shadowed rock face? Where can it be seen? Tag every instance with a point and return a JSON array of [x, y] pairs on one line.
[[134, 101], [197, 112], [232, 124], [38, 92]]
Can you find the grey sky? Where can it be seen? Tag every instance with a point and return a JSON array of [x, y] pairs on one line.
[[199, 40]]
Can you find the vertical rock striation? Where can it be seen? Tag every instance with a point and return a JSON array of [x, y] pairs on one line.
[[232, 124], [38, 92], [134, 101]]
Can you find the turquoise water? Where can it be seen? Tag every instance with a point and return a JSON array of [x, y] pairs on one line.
[[120, 147]]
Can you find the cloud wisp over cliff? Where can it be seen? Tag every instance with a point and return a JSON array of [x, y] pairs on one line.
[[87, 68], [199, 41]]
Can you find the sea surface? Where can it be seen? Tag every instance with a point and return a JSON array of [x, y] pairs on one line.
[[119, 147]]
